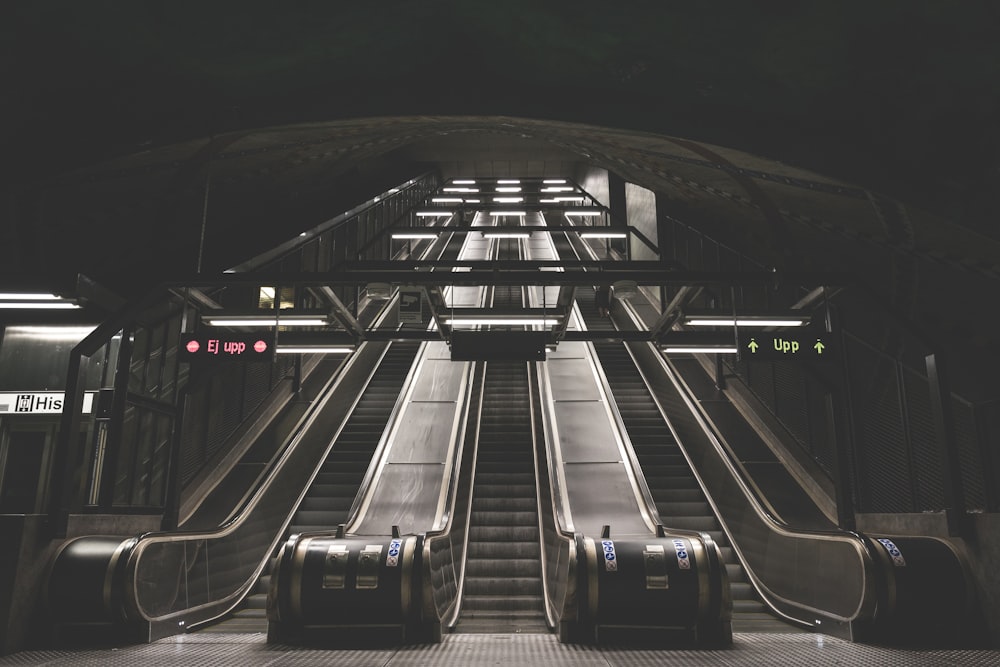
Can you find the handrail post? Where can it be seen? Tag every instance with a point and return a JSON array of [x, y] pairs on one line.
[[844, 496], [944, 430]]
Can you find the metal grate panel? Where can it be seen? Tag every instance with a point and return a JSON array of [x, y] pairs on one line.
[[781, 650]]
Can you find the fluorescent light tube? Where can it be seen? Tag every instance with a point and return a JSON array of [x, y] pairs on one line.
[[744, 322]]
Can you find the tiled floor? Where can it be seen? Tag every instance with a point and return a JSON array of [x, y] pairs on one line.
[[243, 650]]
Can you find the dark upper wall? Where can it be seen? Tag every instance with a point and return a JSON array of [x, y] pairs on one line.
[[896, 95]]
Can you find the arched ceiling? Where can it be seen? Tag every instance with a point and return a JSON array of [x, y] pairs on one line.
[[856, 136]]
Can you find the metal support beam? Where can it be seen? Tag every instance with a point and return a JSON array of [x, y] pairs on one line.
[[674, 310], [343, 314], [523, 273], [564, 304], [435, 297]]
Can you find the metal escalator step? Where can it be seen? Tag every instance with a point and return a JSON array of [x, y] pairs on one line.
[[696, 508], [339, 478], [742, 590], [503, 533], [504, 518], [323, 517], [473, 603], [678, 495], [503, 504], [501, 490], [504, 550], [511, 567], [503, 477], [736, 572], [326, 503], [502, 586]]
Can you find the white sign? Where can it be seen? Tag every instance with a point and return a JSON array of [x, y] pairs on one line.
[[39, 403], [410, 305]]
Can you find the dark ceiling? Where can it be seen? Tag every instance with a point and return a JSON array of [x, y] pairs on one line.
[[896, 95]]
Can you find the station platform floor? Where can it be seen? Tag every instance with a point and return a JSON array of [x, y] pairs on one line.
[[524, 650]]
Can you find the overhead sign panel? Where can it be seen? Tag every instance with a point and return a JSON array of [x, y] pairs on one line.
[[39, 402], [498, 345], [410, 305], [215, 347], [786, 345]]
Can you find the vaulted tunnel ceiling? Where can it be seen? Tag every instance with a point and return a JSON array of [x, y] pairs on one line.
[[880, 135]]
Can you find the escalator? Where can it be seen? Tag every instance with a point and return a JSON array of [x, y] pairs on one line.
[[679, 499], [328, 501], [503, 572], [330, 496]]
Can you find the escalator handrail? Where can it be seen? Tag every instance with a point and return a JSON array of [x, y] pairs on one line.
[[464, 466], [557, 502], [226, 603], [644, 498], [450, 615], [865, 605], [355, 514]]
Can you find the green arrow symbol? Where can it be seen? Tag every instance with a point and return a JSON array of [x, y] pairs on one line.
[[819, 347], [753, 346]]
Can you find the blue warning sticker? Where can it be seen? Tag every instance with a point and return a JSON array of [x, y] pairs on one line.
[[894, 553], [392, 560], [683, 559], [610, 559]]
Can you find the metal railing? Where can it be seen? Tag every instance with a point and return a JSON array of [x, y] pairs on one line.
[[895, 439]]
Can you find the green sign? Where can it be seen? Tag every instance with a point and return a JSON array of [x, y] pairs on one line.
[[786, 345]]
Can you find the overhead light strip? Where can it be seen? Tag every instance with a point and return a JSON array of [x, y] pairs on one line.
[[262, 321], [38, 305], [745, 321], [313, 349]]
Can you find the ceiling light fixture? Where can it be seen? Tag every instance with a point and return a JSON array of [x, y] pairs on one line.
[[313, 349], [415, 235], [288, 320], [603, 235], [699, 349], [745, 320], [506, 235]]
